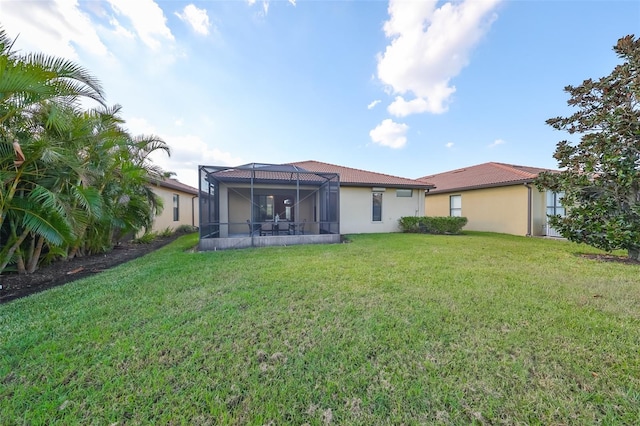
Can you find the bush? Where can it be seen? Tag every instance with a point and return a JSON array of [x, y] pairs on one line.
[[146, 238], [167, 232], [410, 223], [433, 224], [186, 229]]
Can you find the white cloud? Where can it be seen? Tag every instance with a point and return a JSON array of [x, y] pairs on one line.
[[449, 144], [373, 104], [139, 126], [88, 31], [190, 151], [187, 152], [389, 133], [147, 19], [496, 143], [401, 108], [196, 18], [55, 27], [293, 2], [120, 30], [429, 46], [265, 6]]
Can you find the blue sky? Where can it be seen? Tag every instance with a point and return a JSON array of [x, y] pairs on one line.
[[407, 88]]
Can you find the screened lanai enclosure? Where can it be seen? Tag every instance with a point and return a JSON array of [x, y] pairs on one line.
[[267, 204]]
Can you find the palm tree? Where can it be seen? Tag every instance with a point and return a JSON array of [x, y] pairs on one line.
[[117, 169], [72, 180], [28, 83]]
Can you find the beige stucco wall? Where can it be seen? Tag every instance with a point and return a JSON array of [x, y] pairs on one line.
[[188, 209], [500, 209], [356, 205]]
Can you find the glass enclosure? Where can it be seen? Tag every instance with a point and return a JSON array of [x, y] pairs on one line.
[[267, 199]]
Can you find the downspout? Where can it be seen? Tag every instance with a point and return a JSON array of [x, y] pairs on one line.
[[528, 208]]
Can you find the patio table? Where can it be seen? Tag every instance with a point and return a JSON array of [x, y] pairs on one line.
[[271, 228]]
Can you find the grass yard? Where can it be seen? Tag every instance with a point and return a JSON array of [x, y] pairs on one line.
[[387, 329]]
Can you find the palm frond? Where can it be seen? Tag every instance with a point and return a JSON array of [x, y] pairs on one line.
[[48, 223], [6, 43], [89, 199], [46, 200], [67, 70]]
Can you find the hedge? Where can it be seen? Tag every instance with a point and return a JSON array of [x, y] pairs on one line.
[[432, 224]]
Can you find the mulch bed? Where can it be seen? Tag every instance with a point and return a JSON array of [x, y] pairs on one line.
[[15, 286], [611, 258]]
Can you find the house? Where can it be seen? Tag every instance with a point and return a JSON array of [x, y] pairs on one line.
[[300, 203], [180, 205], [494, 197], [373, 202]]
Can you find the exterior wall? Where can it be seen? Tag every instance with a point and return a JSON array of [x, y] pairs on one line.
[[187, 209], [239, 210], [500, 209], [209, 244], [356, 206], [224, 211]]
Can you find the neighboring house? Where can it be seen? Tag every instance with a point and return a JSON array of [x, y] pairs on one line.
[[300, 203], [494, 197], [180, 205]]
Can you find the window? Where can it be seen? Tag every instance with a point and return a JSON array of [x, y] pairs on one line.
[[404, 192], [554, 203], [377, 207], [176, 207], [455, 205], [269, 205]]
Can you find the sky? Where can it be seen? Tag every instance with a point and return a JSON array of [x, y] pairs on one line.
[[406, 88]]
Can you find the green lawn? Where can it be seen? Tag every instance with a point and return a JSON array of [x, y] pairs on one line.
[[387, 329]]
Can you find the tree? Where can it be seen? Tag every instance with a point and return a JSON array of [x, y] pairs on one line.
[[71, 179], [31, 85], [600, 175]]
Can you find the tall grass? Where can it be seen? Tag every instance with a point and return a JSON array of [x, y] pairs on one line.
[[386, 329]]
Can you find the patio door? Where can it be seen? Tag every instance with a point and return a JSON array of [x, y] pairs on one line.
[[275, 204], [554, 208]]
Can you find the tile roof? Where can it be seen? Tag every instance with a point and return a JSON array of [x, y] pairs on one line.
[[482, 176], [267, 173], [177, 185], [357, 177]]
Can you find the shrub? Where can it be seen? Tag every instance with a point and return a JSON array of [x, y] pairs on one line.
[[432, 224], [186, 229], [147, 238], [167, 232], [410, 224]]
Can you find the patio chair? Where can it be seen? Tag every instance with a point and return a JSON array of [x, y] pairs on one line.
[[255, 228], [301, 227]]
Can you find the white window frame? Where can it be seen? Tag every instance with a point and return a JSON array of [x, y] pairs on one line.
[[455, 208]]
